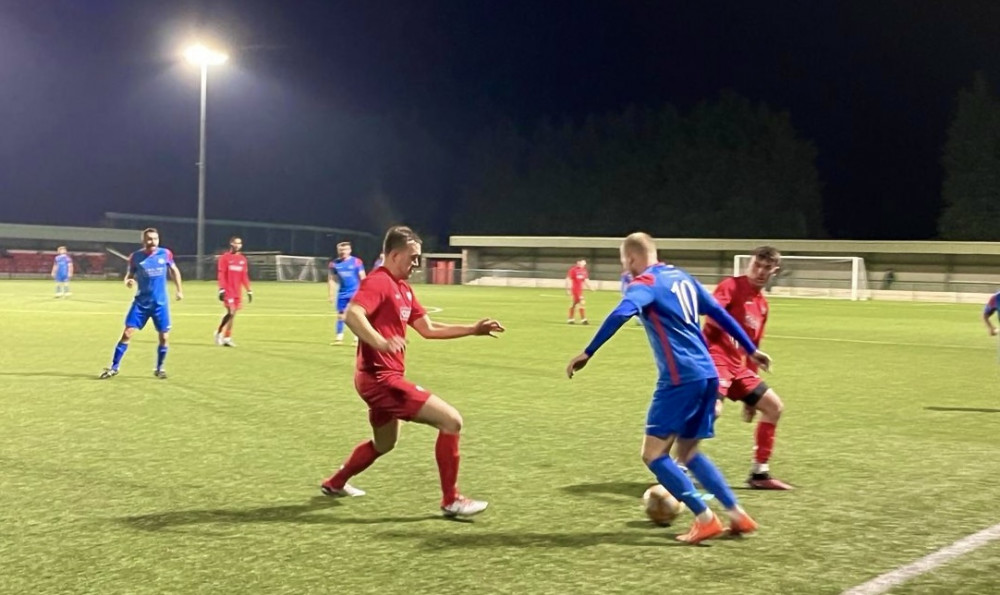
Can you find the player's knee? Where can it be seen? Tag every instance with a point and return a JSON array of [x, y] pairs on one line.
[[773, 406], [385, 445], [164, 339], [452, 424]]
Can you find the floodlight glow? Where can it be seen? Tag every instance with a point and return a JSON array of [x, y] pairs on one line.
[[202, 56]]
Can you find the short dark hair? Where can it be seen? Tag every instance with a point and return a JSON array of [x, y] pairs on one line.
[[149, 230], [231, 238], [768, 254], [398, 237]]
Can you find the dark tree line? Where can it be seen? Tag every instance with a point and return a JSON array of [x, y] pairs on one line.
[[730, 168]]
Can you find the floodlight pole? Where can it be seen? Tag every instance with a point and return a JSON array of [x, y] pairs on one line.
[[201, 177]]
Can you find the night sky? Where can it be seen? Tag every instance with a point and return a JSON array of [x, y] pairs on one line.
[[100, 114]]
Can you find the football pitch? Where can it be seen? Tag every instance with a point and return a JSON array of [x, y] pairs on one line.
[[207, 482]]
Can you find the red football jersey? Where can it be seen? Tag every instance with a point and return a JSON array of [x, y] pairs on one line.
[[577, 276], [749, 307], [390, 306], [234, 273]]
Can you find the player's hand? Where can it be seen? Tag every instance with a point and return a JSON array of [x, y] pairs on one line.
[[249, 296], [486, 327], [749, 412], [576, 364], [392, 345], [762, 359], [222, 295], [180, 295], [129, 283]]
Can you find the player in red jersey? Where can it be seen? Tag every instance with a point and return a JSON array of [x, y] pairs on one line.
[[738, 380], [234, 275], [378, 314], [576, 279]]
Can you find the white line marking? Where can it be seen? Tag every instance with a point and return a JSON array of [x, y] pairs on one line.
[[884, 582]]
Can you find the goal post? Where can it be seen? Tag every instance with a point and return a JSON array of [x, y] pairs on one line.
[[299, 268], [841, 277]]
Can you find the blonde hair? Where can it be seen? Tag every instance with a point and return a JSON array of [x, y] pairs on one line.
[[639, 243]]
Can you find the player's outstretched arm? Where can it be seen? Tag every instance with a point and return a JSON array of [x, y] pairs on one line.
[[176, 274], [356, 319], [429, 329], [331, 286], [719, 315], [70, 271], [625, 310]]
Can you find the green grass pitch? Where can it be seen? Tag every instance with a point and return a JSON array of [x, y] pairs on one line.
[[207, 482]]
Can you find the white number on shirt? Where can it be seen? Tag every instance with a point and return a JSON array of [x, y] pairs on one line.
[[687, 297]]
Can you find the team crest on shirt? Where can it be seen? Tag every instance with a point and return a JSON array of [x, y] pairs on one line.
[[161, 261], [752, 322], [404, 314]]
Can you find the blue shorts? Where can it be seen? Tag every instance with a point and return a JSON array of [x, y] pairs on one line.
[[343, 299], [62, 277], [687, 410], [139, 314]]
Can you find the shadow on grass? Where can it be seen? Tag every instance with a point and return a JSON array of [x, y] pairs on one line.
[[51, 374], [291, 513], [965, 409], [632, 489], [438, 541]]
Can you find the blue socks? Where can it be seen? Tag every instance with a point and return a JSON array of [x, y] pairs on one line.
[[340, 327], [678, 484], [119, 354], [710, 478], [161, 354]]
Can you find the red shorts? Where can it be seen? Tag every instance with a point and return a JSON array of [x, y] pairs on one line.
[[741, 384], [578, 297], [389, 396], [233, 302]]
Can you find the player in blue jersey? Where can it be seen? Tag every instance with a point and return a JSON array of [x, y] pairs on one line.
[[62, 272], [346, 273], [670, 302], [991, 307], [148, 269]]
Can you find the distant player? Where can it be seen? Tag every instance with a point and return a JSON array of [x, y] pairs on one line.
[[991, 307], [148, 269], [345, 275], [379, 260], [577, 278], [62, 272], [742, 297], [669, 301], [379, 314], [233, 276]]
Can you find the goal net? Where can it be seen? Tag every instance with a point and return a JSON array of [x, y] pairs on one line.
[[299, 268], [843, 277]]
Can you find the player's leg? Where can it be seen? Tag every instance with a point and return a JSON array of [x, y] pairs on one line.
[[437, 413], [342, 301], [224, 323], [161, 321], [572, 310], [385, 434], [583, 310], [762, 398], [119, 352], [233, 306], [697, 427]]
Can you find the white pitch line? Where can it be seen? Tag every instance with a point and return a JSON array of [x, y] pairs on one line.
[[243, 314], [884, 582]]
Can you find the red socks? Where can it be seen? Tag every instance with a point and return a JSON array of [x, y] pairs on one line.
[[363, 456], [446, 453], [764, 442]]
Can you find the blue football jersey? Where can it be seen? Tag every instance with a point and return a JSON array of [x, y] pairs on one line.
[[62, 262], [150, 272], [348, 271], [991, 305], [671, 302]]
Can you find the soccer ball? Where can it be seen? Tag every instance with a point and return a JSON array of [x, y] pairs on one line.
[[660, 506]]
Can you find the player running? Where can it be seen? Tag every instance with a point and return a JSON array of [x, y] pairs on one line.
[[233, 277], [345, 275], [62, 272], [742, 297], [669, 301], [991, 307], [148, 269], [379, 314], [577, 278]]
